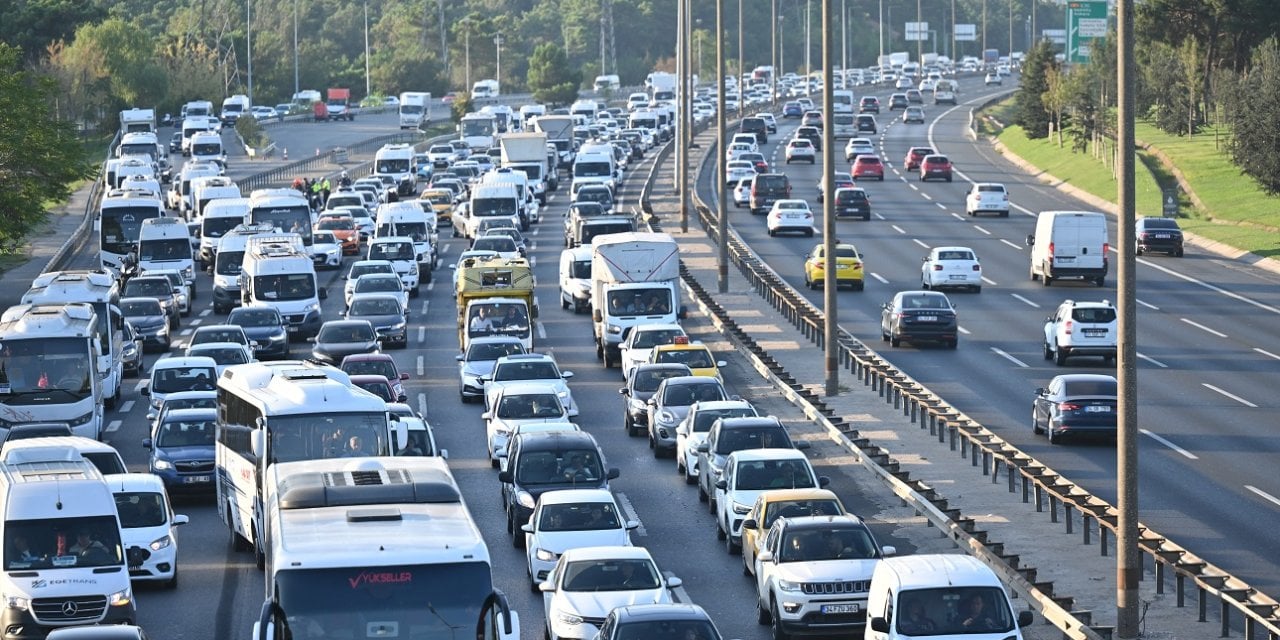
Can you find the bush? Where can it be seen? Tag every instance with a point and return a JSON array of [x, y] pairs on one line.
[[251, 132]]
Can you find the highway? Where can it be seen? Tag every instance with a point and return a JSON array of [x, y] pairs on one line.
[[1207, 347]]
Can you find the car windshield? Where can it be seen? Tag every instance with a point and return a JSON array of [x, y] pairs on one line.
[[136, 308], [378, 388], [501, 244], [1160, 223], [221, 355], [185, 433], [139, 509], [655, 337], [378, 283], [148, 287], [692, 358], [611, 575], [374, 307], [705, 418], [324, 237], [557, 467], [487, 351], [846, 252], [527, 371], [815, 545], [174, 379], [583, 516], [255, 317], [217, 335], [647, 380], [757, 475], [955, 255], [683, 395], [924, 302], [384, 368], [82, 541], [365, 269], [530, 406], [800, 509], [345, 333], [953, 611], [172, 403], [391, 251]]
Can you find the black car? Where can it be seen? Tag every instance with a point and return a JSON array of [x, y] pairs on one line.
[[385, 314], [919, 316], [768, 188], [841, 181], [736, 434], [640, 387], [149, 322], [175, 142], [867, 123], [546, 461], [757, 126], [898, 101], [157, 287], [675, 620], [853, 203], [265, 327], [813, 135], [1158, 234], [338, 339], [869, 104], [1076, 404]]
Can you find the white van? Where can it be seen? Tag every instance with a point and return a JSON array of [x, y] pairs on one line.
[[103, 456], [528, 201], [407, 219], [607, 83], [484, 89], [528, 112], [165, 243], [575, 278], [220, 216], [492, 201], [402, 254], [843, 125], [396, 160], [585, 108], [1071, 245], [210, 188], [278, 272], [942, 596]]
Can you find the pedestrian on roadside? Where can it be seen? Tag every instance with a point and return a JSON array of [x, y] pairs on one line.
[[324, 190]]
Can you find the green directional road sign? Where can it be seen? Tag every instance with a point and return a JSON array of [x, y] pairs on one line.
[[1086, 20]]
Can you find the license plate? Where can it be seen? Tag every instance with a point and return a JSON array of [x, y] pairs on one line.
[[1071, 259], [1095, 333], [1097, 408], [956, 277], [1162, 236], [197, 479], [841, 608], [926, 318], [844, 266], [293, 329]]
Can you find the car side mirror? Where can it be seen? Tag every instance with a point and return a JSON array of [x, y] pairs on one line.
[[823, 481], [146, 443], [505, 476], [546, 587], [704, 448], [323, 294], [631, 524], [145, 390], [624, 391], [802, 445], [614, 472], [765, 556], [674, 582], [653, 402], [1031, 240], [1040, 391], [879, 625], [889, 550], [179, 519], [404, 376], [486, 415], [1025, 618], [750, 523], [722, 485], [459, 357], [527, 528]]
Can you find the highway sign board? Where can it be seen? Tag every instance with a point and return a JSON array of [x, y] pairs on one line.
[[916, 31], [1056, 36], [966, 32], [1170, 203], [1086, 21]]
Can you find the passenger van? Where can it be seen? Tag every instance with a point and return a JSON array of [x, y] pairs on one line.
[[103, 456], [220, 216], [940, 595], [207, 145], [401, 253], [844, 125], [165, 243], [575, 278], [407, 219], [278, 272], [1071, 245], [490, 201]]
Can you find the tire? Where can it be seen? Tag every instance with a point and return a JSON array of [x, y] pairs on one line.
[[776, 628], [1035, 424], [563, 303], [734, 548], [237, 543], [627, 422], [1138, 250], [924, 284], [773, 234], [1178, 253], [746, 571], [1046, 279], [1004, 214], [689, 479], [953, 343], [977, 289], [1052, 440], [762, 614], [1101, 281], [1048, 353], [808, 233], [894, 341], [702, 495], [884, 337], [720, 534], [599, 350], [609, 362], [1060, 357]]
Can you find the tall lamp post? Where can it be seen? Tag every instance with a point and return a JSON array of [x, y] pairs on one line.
[[722, 226], [773, 53], [497, 43], [248, 46], [742, 63], [366, 48], [880, 28], [782, 46], [699, 23], [296, 88]]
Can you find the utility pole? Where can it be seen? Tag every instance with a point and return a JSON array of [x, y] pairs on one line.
[[782, 46], [773, 53], [366, 48], [722, 226], [984, 25], [296, 88], [742, 65], [808, 47], [920, 33], [444, 46], [955, 55], [497, 42], [1128, 558], [466, 39], [830, 284], [1010, 51], [683, 118], [880, 28], [248, 46]]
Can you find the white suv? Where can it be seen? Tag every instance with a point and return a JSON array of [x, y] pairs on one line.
[[986, 197], [747, 474], [1081, 329], [814, 575]]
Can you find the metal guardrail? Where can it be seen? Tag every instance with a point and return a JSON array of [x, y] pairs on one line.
[[78, 237], [1023, 474]]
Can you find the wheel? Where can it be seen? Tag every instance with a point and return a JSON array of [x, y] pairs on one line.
[[1035, 424], [652, 446], [894, 341], [711, 504], [1046, 280], [517, 537], [627, 423], [689, 478], [564, 304], [1033, 275], [746, 570], [977, 289], [720, 534], [1101, 281], [1138, 250], [702, 493], [884, 337], [238, 543], [953, 343], [413, 293], [1004, 214], [510, 522], [859, 285], [599, 350], [1052, 440], [1048, 353], [948, 178], [1060, 356], [1178, 253], [609, 361], [776, 628], [924, 284], [259, 554], [734, 548], [773, 234], [808, 233], [762, 614]]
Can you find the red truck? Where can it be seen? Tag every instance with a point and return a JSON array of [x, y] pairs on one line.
[[336, 107]]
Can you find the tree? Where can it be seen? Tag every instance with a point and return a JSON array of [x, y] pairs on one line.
[[40, 156], [1030, 113], [551, 78], [1056, 96], [1256, 135], [461, 106]]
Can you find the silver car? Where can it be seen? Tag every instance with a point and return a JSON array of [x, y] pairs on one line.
[[670, 404]]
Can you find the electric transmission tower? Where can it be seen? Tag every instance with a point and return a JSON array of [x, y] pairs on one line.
[[608, 45]]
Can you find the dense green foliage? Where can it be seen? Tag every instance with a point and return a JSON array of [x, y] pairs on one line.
[[1255, 146], [40, 156], [551, 79], [1031, 114]]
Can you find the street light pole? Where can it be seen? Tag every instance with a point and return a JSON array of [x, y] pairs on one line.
[[296, 88], [682, 110], [782, 46], [880, 24], [722, 226], [919, 33], [742, 64], [248, 46], [466, 39], [366, 48], [699, 32], [497, 42], [830, 284], [808, 47], [773, 54]]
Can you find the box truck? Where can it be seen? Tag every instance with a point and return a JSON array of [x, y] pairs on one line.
[[415, 109], [528, 153], [635, 280]]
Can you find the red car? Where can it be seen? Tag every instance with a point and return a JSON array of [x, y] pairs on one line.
[[867, 167], [914, 156], [935, 166]]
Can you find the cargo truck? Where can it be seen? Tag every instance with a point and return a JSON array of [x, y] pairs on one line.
[[527, 152], [415, 109], [559, 130], [138, 121], [336, 107], [635, 280]]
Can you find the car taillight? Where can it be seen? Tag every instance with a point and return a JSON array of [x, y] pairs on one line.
[[1066, 327], [977, 267], [937, 267], [1106, 248], [820, 264], [1050, 250], [1068, 406]]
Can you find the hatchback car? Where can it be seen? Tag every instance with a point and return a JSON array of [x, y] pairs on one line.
[[147, 524], [728, 435], [792, 110], [749, 473], [858, 147], [757, 160], [812, 134], [913, 115], [742, 193], [640, 342], [379, 284], [378, 364], [790, 215], [479, 360], [811, 119], [670, 404], [911, 162], [570, 519], [736, 170], [1158, 234], [338, 339], [993, 78], [987, 197], [951, 267], [919, 316], [848, 267], [149, 321], [853, 202], [914, 96], [867, 166], [542, 461], [866, 123], [678, 620], [799, 149], [841, 181], [385, 313], [225, 354], [517, 404], [869, 104], [1076, 404], [528, 367], [642, 383], [159, 288], [782, 503], [898, 101], [935, 166]]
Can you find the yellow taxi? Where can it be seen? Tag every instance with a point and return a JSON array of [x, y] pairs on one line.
[[694, 355], [782, 503], [441, 202], [848, 267]]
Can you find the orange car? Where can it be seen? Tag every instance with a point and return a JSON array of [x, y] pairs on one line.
[[344, 229]]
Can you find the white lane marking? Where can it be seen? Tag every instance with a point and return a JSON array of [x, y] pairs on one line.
[[141, 383], [926, 196], [914, 187], [422, 364], [896, 228], [944, 208], [1267, 353], [962, 330], [1230, 395], [879, 277], [422, 405], [431, 285], [533, 244], [112, 426], [206, 312], [989, 281], [1186, 454], [425, 304], [1147, 305], [1010, 358], [1154, 361], [1261, 494], [422, 334], [953, 214], [534, 232], [979, 228], [1203, 328], [630, 512], [444, 249], [196, 322], [533, 261], [126, 406], [1011, 244], [1032, 304], [879, 217], [917, 241], [1229, 294], [185, 332]]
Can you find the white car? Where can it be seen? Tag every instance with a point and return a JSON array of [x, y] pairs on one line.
[[742, 193], [571, 519], [858, 147], [362, 267], [692, 431], [747, 474], [528, 367], [147, 526], [799, 149], [951, 267], [1080, 328], [928, 84], [737, 170], [482, 355], [504, 246], [790, 214], [639, 343], [379, 283], [984, 197], [326, 250], [903, 83], [516, 404], [589, 582], [737, 149], [224, 354]]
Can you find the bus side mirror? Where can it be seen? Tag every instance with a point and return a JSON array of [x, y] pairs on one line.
[[257, 443]]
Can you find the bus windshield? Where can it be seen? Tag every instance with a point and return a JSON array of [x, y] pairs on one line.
[[477, 127], [296, 219], [122, 225], [420, 601], [45, 365], [318, 436]]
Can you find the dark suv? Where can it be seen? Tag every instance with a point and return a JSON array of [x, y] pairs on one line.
[[812, 134], [736, 434], [768, 188], [756, 126], [1159, 234], [546, 461], [853, 202]]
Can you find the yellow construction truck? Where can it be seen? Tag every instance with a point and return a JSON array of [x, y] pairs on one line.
[[495, 298]]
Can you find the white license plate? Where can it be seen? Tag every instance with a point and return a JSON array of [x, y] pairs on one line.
[[1162, 236], [1095, 333], [197, 479], [926, 318], [841, 608], [793, 216], [1071, 259], [844, 266], [1097, 408], [956, 277]]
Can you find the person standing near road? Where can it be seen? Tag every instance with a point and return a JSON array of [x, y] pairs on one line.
[[324, 191]]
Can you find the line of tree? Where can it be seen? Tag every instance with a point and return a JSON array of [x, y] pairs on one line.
[[1199, 64]]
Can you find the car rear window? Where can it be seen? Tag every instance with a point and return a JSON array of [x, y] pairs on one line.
[[868, 160], [1090, 388], [1093, 314], [753, 124], [846, 252], [990, 188], [936, 160], [1159, 223], [771, 182], [845, 197]]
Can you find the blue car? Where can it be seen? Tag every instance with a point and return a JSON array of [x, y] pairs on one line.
[[792, 110], [182, 445]]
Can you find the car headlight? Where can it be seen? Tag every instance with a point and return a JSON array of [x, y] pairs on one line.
[[279, 337], [17, 601], [544, 555], [399, 326], [312, 308], [122, 598], [81, 419], [615, 329], [637, 404], [130, 351], [666, 417], [525, 500], [585, 287], [789, 585], [741, 509], [161, 543], [564, 395], [162, 465], [188, 273]]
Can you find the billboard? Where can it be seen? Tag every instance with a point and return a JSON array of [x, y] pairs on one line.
[[1086, 21]]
